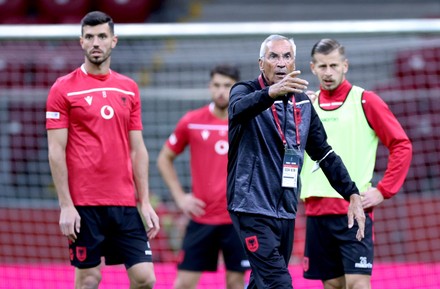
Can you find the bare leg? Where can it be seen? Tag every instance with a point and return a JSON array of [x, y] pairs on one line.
[[187, 279], [234, 280], [88, 278], [142, 276], [358, 281], [336, 283]]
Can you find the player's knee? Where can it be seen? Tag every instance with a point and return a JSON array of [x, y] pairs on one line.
[[146, 281], [337, 283], [142, 276], [88, 281], [142, 283]]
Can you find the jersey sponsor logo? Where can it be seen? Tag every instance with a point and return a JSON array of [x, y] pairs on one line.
[[52, 115], [252, 243], [89, 99], [107, 112], [81, 253], [329, 119], [305, 264], [363, 263], [221, 147]]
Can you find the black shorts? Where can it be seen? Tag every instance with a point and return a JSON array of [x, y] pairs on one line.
[[117, 233], [332, 249], [202, 244], [269, 245]]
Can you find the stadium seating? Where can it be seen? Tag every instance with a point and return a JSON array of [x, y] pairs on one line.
[[414, 69], [14, 68], [412, 95], [418, 68], [126, 11], [36, 64], [13, 11], [57, 58], [62, 11]]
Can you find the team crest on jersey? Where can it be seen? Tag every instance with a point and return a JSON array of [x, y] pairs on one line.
[[306, 264], [81, 253], [252, 243]]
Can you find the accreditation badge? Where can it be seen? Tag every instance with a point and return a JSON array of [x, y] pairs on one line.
[[290, 169]]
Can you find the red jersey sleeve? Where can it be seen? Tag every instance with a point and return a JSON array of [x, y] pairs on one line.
[[179, 139], [136, 115], [57, 109], [392, 135]]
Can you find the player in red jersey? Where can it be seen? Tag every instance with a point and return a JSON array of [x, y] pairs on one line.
[[99, 163], [210, 229], [355, 121]]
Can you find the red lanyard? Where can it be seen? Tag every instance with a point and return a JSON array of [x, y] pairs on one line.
[[296, 117]]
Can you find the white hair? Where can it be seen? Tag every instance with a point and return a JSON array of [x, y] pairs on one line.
[[274, 37]]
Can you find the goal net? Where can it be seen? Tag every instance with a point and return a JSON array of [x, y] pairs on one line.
[[398, 59]]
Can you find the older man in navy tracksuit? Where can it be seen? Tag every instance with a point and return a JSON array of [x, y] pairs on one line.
[[271, 124]]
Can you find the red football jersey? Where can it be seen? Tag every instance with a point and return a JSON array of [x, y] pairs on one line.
[[207, 137], [99, 112]]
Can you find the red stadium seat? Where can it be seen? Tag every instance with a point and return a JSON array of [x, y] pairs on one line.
[[419, 69], [11, 74], [56, 59], [13, 11], [126, 11], [37, 63], [63, 11], [13, 64], [412, 95]]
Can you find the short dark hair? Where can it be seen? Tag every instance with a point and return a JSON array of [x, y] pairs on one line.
[[96, 18], [326, 46], [231, 71]]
